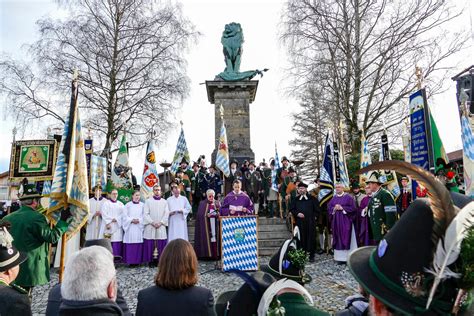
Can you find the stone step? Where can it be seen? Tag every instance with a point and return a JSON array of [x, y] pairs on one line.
[[261, 228], [272, 228], [266, 251], [281, 234], [261, 221], [271, 242]]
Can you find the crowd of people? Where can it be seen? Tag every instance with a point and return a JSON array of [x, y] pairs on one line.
[[387, 245]]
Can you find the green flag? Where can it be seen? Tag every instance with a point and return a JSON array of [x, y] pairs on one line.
[[121, 178], [438, 148]]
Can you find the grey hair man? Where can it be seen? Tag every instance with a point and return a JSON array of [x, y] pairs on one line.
[[89, 286]]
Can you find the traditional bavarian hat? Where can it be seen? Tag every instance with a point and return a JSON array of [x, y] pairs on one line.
[[245, 300], [282, 266], [29, 192], [9, 256], [400, 271]]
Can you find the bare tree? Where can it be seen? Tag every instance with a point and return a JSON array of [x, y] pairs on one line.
[[365, 53], [311, 124], [130, 57]]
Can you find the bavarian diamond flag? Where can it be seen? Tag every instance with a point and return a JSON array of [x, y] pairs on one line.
[[150, 174], [239, 243], [70, 186], [365, 159], [222, 156], [180, 153], [121, 178]]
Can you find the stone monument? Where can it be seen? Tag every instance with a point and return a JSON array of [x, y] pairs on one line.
[[234, 90]]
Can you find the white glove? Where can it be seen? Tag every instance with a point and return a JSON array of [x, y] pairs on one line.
[[364, 212]]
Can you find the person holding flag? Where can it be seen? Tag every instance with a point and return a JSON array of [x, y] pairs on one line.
[[32, 235]]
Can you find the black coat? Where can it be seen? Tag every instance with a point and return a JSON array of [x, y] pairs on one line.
[[13, 302], [102, 307], [307, 225], [193, 301], [55, 299]]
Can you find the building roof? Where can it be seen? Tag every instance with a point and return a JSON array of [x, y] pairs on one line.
[[455, 155], [4, 174]]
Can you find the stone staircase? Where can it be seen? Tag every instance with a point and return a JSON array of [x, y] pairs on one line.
[[272, 232]]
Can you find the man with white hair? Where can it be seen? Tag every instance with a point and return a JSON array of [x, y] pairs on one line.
[[89, 286]]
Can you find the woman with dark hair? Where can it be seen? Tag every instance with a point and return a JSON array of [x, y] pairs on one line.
[[175, 292]]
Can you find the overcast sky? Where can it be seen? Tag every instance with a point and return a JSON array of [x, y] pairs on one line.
[[270, 119]]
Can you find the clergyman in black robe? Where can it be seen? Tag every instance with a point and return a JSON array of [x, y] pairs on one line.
[[305, 210]]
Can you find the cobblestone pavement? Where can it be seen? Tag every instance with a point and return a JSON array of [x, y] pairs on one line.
[[330, 285]]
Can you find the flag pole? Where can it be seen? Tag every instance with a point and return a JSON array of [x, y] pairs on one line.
[[72, 113], [221, 109]]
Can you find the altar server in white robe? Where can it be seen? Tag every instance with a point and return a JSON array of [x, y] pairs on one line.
[[133, 231], [179, 209], [95, 228], [112, 219], [155, 219]]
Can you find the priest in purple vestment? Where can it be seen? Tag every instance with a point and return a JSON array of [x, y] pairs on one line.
[[237, 203], [341, 210], [206, 232]]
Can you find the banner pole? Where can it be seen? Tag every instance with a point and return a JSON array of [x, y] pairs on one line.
[[61, 260]]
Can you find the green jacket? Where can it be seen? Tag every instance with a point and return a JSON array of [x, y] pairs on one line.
[[32, 235], [295, 305], [382, 213]]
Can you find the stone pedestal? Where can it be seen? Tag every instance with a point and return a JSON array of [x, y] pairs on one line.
[[235, 98]]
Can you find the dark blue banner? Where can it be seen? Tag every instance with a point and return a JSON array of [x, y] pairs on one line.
[[88, 149], [420, 134], [419, 140]]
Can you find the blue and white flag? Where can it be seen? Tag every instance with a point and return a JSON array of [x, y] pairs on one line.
[[222, 156], [180, 153], [274, 171], [326, 179], [365, 159], [342, 166], [239, 243], [467, 137], [70, 186]]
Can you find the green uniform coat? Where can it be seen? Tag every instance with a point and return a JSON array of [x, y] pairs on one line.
[[32, 235], [295, 305], [382, 213]]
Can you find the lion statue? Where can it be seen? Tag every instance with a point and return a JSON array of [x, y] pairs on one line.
[[232, 40]]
